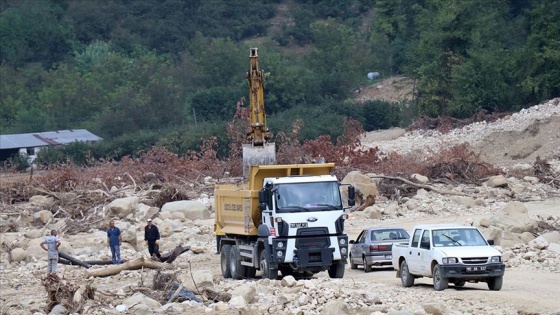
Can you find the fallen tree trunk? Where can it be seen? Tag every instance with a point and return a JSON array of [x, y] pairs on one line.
[[129, 265], [72, 260], [90, 262], [429, 187]]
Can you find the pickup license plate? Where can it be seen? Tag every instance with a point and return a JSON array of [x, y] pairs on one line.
[[298, 225], [475, 269]]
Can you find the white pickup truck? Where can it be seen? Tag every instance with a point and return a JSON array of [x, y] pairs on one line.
[[448, 253]]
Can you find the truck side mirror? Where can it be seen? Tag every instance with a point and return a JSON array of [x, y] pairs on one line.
[[351, 196], [491, 242]]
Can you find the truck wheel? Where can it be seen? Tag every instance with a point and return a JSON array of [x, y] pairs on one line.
[[267, 273], [352, 264], [495, 283], [237, 269], [407, 280], [336, 270], [367, 268], [224, 261], [440, 283]]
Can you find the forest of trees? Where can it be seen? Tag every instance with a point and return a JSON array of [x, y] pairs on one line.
[[141, 73]]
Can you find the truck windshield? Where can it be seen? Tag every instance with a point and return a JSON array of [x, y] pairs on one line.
[[302, 197], [457, 237]]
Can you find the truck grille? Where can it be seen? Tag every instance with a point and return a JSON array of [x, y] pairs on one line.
[[316, 237], [475, 260], [313, 242]]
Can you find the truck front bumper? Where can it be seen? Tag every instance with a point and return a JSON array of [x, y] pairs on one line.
[[312, 255], [460, 271]]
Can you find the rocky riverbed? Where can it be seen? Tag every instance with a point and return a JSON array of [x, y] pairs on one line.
[[521, 214]]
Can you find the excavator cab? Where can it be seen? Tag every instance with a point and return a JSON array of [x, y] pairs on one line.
[[259, 151]]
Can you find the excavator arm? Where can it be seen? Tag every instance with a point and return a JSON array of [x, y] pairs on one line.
[[258, 151], [259, 133]]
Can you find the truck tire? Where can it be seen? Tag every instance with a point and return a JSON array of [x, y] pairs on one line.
[[267, 273], [224, 261], [440, 283], [352, 264], [367, 268], [336, 270], [237, 269], [495, 283], [407, 280]]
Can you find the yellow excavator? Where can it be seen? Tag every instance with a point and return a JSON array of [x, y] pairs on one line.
[[259, 151]]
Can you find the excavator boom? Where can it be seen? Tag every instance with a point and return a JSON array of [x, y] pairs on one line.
[[259, 151]]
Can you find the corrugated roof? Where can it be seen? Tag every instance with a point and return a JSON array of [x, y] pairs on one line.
[[40, 139]]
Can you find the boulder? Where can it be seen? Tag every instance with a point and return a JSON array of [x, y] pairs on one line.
[[420, 178], [237, 303], [289, 281], [43, 216], [130, 236], [464, 201], [203, 279], [554, 247], [373, 212], [122, 207], [514, 218], [538, 243], [247, 292], [497, 181], [191, 209], [18, 254], [137, 299], [335, 307], [552, 237], [366, 190]]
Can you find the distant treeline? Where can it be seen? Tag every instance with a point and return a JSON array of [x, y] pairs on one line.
[[169, 72]]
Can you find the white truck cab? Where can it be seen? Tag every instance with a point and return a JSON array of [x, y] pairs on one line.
[[448, 253]]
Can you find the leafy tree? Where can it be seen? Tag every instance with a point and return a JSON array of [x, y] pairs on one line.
[[216, 103], [34, 31], [543, 77], [380, 115]]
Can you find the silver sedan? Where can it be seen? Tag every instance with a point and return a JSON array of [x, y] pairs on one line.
[[373, 246]]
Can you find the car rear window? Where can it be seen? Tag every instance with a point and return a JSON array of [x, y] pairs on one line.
[[389, 234]]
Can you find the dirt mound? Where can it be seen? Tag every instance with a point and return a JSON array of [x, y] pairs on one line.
[[393, 89], [541, 138]]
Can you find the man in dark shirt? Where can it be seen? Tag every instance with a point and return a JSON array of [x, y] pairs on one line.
[[114, 241], [151, 236]]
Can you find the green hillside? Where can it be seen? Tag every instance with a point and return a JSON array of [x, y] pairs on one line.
[[169, 72]]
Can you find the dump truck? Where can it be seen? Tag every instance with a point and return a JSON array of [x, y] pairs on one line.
[[287, 218]]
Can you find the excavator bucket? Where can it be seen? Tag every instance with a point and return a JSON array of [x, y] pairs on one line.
[[258, 155]]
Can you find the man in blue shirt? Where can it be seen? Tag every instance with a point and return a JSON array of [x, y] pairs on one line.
[[114, 241], [51, 245]]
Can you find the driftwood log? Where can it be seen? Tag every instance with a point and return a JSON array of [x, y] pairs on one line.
[[424, 186], [71, 260], [135, 264]]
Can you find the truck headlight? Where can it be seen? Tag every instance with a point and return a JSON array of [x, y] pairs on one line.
[[343, 250], [279, 253], [342, 241], [496, 259], [280, 244], [450, 260]]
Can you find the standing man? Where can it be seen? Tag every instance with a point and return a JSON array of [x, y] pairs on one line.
[[114, 241], [51, 245], [151, 236]]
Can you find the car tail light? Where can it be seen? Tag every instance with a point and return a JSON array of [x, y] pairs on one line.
[[379, 248]]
